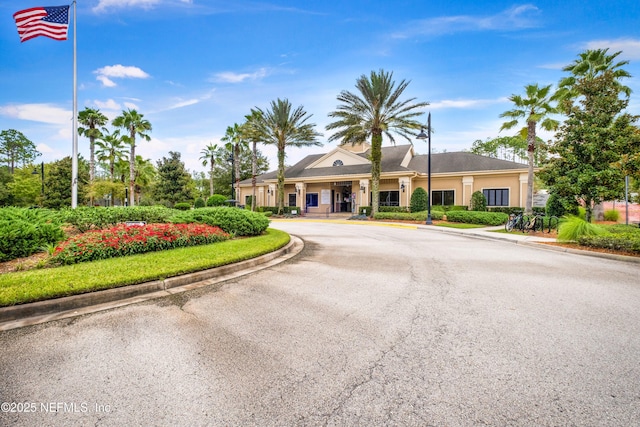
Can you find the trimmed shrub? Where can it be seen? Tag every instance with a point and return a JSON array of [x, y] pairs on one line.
[[629, 242], [573, 228], [363, 209], [87, 218], [474, 217], [478, 201], [611, 215], [393, 209], [199, 203], [274, 209], [182, 206], [24, 232], [238, 222], [217, 200], [419, 200], [406, 216]]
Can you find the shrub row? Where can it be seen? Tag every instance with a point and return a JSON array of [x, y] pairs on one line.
[[616, 241], [24, 232], [87, 218], [473, 217], [123, 240], [274, 209], [406, 216], [238, 222]]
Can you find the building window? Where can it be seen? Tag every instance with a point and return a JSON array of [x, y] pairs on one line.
[[312, 200], [292, 199], [497, 196], [338, 163], [389, 198], [443, 198]]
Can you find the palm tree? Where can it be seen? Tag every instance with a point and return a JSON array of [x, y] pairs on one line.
[[91, 120], [134, 123], [145, 174], [590, 64], [376, 112], [208, 157], [249, 129], [284, 127], [111, 150], [534, 109], [235, 142]]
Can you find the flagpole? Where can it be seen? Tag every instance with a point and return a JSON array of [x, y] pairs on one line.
[[74, 159]]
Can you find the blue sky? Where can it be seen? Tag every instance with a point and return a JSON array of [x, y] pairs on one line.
[[194, 67]]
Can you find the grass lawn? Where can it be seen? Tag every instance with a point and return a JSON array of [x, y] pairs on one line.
[[459, 225], [41, 284]]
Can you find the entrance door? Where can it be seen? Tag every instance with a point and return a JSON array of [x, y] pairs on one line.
[[292, 199]]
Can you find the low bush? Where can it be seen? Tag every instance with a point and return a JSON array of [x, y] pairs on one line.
[[274, 209], [406, 216], [238, 222], [87, 218], [199, 203], [24, 232], [123, 240], [629, 242], [182, 206], [474, 217], [611, 215], [217, 200], [401, 209], [573, 228], [478, 202], [419, 200]]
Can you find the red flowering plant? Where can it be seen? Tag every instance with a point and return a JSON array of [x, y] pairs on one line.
[[123, 240]]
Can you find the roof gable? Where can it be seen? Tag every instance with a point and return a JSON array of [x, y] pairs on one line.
[[338, 157]]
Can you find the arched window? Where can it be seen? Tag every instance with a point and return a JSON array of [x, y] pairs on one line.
[[338, 163]]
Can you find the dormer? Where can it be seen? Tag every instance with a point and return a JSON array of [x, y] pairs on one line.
[[338, 157]]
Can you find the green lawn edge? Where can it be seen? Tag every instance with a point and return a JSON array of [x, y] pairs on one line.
[[42, 284]]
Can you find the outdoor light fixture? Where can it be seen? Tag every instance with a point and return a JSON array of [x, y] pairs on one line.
[[362, 188], [402, 186], [427, 136], [298, 190]]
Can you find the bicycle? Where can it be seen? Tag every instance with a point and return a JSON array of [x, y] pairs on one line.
[[516, 220]]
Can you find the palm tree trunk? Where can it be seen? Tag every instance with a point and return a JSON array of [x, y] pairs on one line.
[[376, 158], [531, 148], [281, 154], [211, 180], [92, 164], [132, 170], [236, 154], [254, 167]]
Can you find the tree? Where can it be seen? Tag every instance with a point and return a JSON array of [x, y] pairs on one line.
[[174, 182], [283, 127], [208, 156], [92, 121], [57, 183], [419, 200], [145, 176], [16, 148], [6, 197], [590, 64], [534, 109], [587, 143], [249, 129], [235, 142], [134, 123], [377, 112], [111, 150]]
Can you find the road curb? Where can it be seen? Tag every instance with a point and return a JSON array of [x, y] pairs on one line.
[[58, 308]]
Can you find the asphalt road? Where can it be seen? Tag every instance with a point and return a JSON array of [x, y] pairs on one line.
[[368, 326]]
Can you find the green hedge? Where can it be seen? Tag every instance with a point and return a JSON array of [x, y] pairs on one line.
[[238, 222], [473, 217], [619, 241], [406, 216], [24, 232], [274, 209], [87, 218]]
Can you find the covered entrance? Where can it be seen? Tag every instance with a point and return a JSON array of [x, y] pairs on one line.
[[341, 195]]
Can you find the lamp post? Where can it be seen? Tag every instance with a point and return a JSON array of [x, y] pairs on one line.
[[428, 138]]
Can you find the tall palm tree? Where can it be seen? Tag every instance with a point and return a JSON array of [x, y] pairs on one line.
[[92, 120], [110, 149], [590, 64], [249, 129], [534, 109], [235, 142], [283, 127], [146, 172], [375, 112], [134, 123], [209, 157]]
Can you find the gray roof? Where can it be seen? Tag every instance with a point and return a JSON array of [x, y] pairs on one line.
[[392, 156]]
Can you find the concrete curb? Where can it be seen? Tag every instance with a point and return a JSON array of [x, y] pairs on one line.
[[59, 308]]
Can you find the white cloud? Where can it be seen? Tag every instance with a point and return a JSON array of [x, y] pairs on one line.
[[109, 72], [131, 106], [44, 113], [517, 17], [109, 104], [44, 148], [630, 47], [104, 5], [183, 104], [464, 103], [231, 77]]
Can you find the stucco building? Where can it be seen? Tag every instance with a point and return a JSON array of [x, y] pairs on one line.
[[340, 180]]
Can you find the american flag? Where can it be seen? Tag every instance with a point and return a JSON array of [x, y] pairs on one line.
[[50, 21]]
